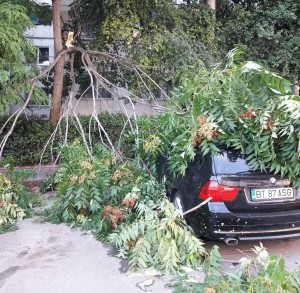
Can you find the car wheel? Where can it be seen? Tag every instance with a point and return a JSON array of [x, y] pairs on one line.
[[177, 202]]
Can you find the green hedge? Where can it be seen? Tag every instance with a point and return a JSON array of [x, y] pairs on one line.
[[30, 135]]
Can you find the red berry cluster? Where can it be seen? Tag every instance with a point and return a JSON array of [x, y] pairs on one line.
[[215, 133], [248, 114], [197, 139], [201, 120], [129, 202], [270, 124], [82, 211], [1, 204], [107, 210], [116, 215], [131, 244]]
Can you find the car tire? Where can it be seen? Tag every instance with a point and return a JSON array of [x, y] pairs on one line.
[[177, 202]]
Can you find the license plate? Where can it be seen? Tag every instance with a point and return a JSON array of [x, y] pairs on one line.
[[272, 194]]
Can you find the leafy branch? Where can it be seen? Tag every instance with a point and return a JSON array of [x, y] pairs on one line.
[[243, 106]]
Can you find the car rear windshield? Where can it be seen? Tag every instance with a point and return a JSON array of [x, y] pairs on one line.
[[230, 162]]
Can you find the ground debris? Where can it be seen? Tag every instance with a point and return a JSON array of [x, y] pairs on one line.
[[143, 285]]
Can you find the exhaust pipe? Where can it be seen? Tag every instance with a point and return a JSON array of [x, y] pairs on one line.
[[231, 241]]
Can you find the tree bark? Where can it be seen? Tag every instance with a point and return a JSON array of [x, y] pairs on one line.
[[59, 66], [211, 4], [295, 87]]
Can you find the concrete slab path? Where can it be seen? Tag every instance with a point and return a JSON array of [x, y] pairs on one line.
[[46, 258]]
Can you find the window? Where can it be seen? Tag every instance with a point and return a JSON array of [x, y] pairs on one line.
[[100, 92], [104, 94], [43, 56], [88, 31]]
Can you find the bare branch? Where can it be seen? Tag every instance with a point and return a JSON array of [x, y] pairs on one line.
[[72, 76], [116, 91]]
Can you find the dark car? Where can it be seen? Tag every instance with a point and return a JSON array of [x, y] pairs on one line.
[[244, 205]]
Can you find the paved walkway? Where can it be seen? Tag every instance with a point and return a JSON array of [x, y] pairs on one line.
[[47, 258]]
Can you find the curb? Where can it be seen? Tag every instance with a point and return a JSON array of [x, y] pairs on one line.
[[42, 172]]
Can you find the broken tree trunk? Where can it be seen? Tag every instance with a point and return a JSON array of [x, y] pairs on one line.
[[211, 4], [295, 87]]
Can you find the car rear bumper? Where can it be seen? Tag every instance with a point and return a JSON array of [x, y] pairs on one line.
[[248, 226], [259, 235]]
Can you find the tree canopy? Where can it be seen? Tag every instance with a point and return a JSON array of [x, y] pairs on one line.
[[268, 31], [166, 38], [149, 32], [39, 13], [15, 52]]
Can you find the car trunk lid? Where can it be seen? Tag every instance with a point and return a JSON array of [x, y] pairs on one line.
[[258, 191]]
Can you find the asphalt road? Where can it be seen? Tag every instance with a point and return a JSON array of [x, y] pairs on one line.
[[288, 249]]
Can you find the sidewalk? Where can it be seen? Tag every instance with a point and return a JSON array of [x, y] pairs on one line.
[[48, 258]]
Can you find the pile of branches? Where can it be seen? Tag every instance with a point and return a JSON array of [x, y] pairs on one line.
[[243, 106]]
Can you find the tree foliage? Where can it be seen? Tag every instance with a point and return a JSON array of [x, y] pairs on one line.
[[261, 273], [243, 106], [149, 32], [159, 239], [15, 52], [15, 200], [10, 211], [40, 13], [126, 207], [153, 32], [268, 32]]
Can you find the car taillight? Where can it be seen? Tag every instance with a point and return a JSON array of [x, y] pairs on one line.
[[218, 192]]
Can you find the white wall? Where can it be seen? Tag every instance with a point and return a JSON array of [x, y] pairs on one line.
[[43, 110], [85, 106], [64, 8], [40, 31], [42, 36], [49, 2]]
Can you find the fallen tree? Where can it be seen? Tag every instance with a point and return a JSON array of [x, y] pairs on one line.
[[243, 106]]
